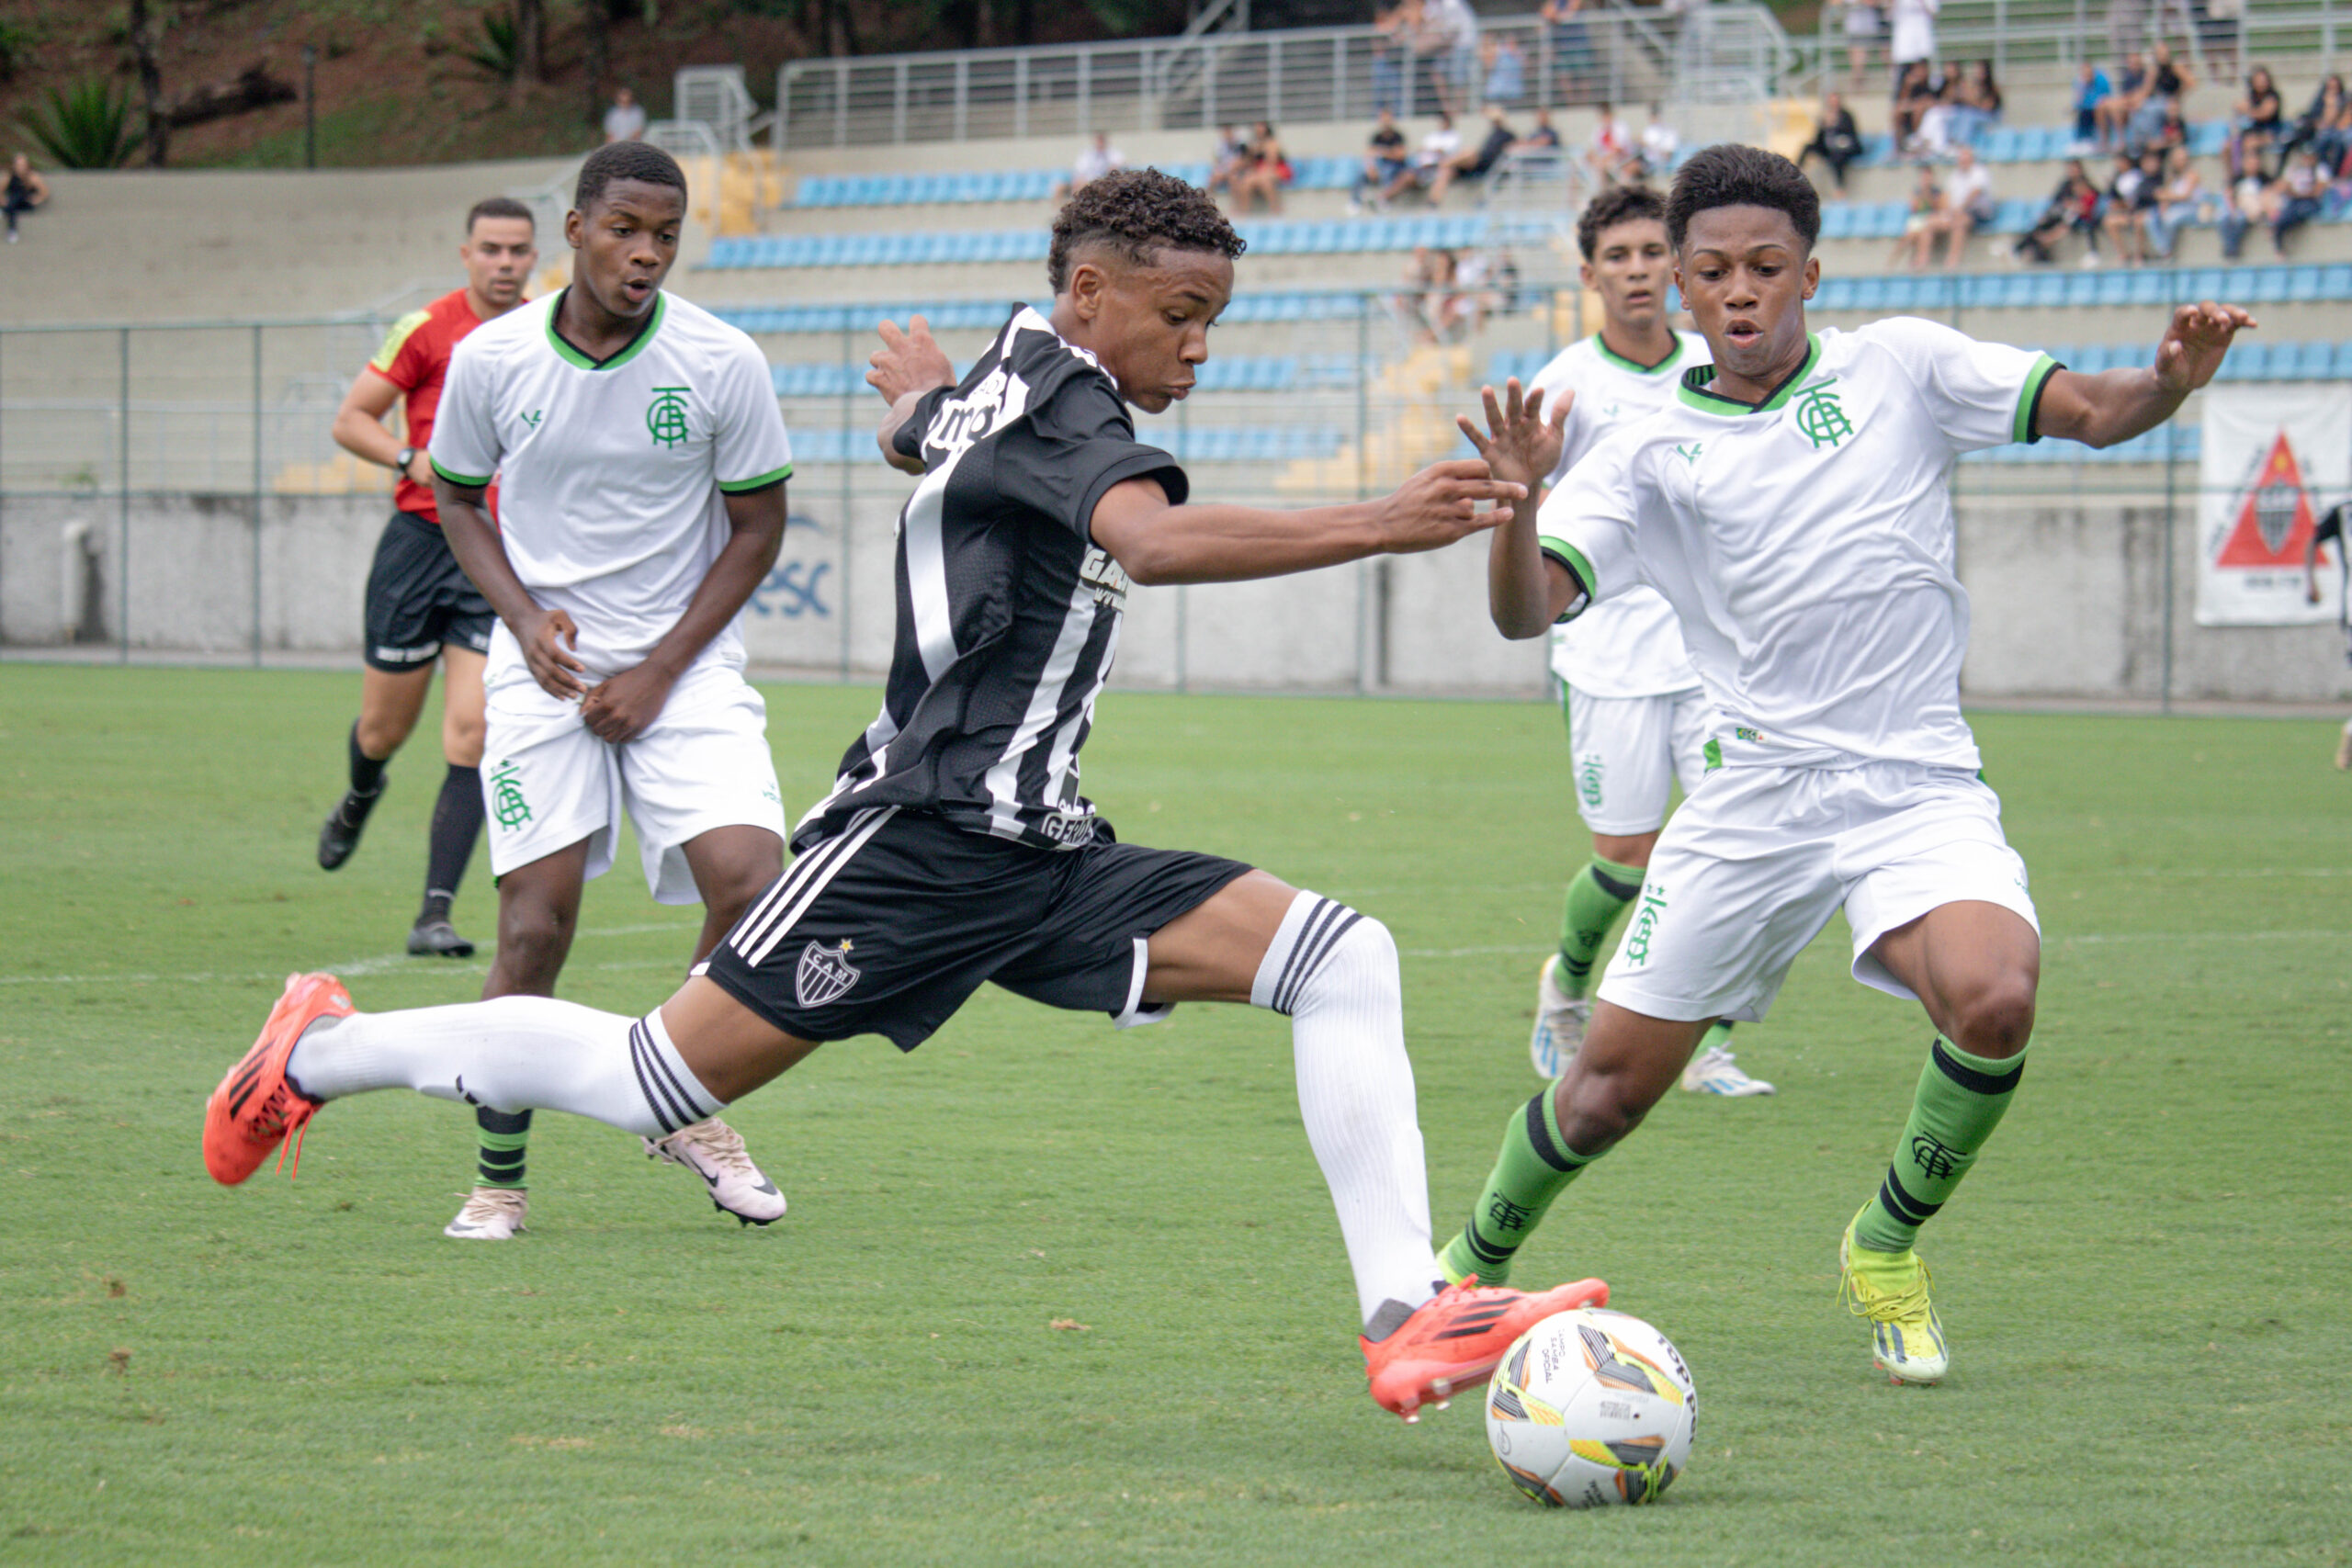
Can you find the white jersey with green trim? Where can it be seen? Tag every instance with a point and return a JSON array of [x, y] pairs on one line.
[[1807, 543], [1627, 646], [613, 476]]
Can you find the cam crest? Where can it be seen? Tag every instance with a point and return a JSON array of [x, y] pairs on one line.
[[825, 974], [665, 417]]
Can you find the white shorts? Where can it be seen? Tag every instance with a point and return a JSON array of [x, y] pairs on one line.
[[1757, 860], [1628, 752], [547, 783]]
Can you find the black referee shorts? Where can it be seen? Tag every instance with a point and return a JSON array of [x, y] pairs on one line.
[[419, 597], [886, 928]]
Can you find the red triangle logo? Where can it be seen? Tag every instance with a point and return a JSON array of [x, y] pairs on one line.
[[2274, 523]]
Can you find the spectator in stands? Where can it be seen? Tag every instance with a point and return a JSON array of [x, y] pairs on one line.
[[1478, 162], [1268, 176], [2216, 22], [26, 190], [1391, 26], [1384, 162], [1914, 23], [2319, 127], [2178, 200], [2092, 89], [1095, 160], [1231, 157], [1437, 149], [1968, 207], [1915, 92], [1836, 141], [2257, 124], [1922, 223], [2246, 207], [1429, 275], [1465, 311], [2133, 195], [625, 121], [1506, 68], [2074, 205], [1975, 103], [2168, 86], [2171, 131], [1451, 28], [1542, 141], [1863, 25], [2296, 195], [2131, 90], [1614, 157], [1575, 65], [1660, 143]]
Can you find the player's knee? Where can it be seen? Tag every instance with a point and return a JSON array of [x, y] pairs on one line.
[[534, 938], [1596, 1111], [1361, 967], [1996, 1019], [461, 739], [379, 735]]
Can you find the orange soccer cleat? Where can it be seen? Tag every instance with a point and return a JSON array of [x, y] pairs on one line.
[[256, 1106], [1458, 1336]]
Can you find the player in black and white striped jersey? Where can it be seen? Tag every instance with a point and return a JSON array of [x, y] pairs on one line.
[[955, 848]]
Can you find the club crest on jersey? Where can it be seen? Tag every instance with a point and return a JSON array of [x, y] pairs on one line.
[[665, 417], [1820, 416], [960, 421], [824, 974]]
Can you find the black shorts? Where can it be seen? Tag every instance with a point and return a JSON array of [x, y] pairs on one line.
[[888, 927], [419, 597]]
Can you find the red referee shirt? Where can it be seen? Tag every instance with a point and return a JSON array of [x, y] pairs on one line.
[[415, 358]]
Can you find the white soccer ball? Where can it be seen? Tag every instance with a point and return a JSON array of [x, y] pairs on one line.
[[1591, 1408]]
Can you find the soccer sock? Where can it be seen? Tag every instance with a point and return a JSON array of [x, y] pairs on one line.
[[512, 1054], [457, 823], [366, 772], [1334, 972], [1718, 1037], [1534, 1166], [1960, 1101], [1597, 896], [505, 1135]]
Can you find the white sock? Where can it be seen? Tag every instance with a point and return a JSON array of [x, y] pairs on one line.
[[1334, 971], [511, 1054]]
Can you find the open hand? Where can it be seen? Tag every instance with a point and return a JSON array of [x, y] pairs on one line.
[[908, 361], [1519, 442], [625, 707], [2194, 344], [1438, 505], [549, 643]]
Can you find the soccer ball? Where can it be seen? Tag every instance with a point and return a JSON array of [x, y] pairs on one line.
[[1591, 1407]]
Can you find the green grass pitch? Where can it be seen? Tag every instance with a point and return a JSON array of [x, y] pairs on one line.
[[2144, 1281]]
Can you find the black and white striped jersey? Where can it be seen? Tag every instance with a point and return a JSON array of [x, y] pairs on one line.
[[1008, 614]]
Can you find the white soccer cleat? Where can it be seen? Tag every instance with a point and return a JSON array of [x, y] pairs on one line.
[[715, 1152], [491, 1214], [1712, 1071], [1560, 1021]]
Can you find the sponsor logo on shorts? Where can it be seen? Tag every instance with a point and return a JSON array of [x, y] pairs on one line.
[[1645, 920], [1067, 829], [507, 806], [665, 417], [825, 974], [1590, 768]]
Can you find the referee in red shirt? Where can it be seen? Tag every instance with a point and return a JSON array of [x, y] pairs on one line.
[[421, 606]]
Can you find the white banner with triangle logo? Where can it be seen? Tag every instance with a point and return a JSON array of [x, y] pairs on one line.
[[2275, 459]]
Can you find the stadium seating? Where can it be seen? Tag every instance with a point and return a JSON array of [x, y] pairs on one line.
[[1272, 237], [1234, 373]]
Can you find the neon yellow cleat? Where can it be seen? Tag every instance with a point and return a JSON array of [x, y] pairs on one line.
[[1891, 1289]]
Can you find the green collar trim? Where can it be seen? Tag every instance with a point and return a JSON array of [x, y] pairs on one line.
[[1696, 393], [572, 356], [1610, 355]]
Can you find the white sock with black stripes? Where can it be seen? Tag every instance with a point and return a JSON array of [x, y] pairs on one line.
[[511, 1054], [1334, 971]]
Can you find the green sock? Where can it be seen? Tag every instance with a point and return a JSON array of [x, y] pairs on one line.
[[1533, 1168], [1960, 1101], [504, 1136], [1597, 896], [1718, 1035]]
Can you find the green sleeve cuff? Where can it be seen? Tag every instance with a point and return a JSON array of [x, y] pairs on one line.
[[2030, 399], [762, 481], [1568, 555], [467, 482]]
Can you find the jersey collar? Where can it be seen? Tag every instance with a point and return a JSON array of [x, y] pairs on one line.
[[1694, 390], [571, 356], [1611, 356]]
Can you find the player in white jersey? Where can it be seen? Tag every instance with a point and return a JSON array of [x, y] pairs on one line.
[[1793, 506], [642, 459], [1636, 714]]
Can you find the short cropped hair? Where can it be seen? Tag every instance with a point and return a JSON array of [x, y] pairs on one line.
[[1728, 174], [1617, 204], [626, 160], [497, 207], [1138, 212]]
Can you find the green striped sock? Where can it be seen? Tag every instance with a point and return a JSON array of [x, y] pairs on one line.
[[1960, 1101], [504, 1136], [1534, 1167], [1597, 896]]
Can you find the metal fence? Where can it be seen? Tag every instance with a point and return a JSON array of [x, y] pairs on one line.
[[2044, 40]]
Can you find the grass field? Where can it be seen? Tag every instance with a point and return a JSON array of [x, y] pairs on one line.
[[2146, 1281]]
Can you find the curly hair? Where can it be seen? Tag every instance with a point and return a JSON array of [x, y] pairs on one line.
[[1728, 174], [1138, 212], [1617, 204], [626, 160]]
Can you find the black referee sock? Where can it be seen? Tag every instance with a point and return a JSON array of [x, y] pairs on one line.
[[457, 823], [366, 772]]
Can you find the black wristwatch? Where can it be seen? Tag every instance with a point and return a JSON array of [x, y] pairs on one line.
[[408, 456]]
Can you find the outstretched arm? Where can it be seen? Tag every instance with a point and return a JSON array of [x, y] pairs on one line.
[[1157, 542], [1527, 591], [2102, 409]]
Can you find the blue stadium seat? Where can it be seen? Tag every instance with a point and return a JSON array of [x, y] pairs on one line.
[[2090, 359], [2114, 289], [2303, 286], [1837, 220], [2342, 369], [2313, 361], [2001, 145]]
